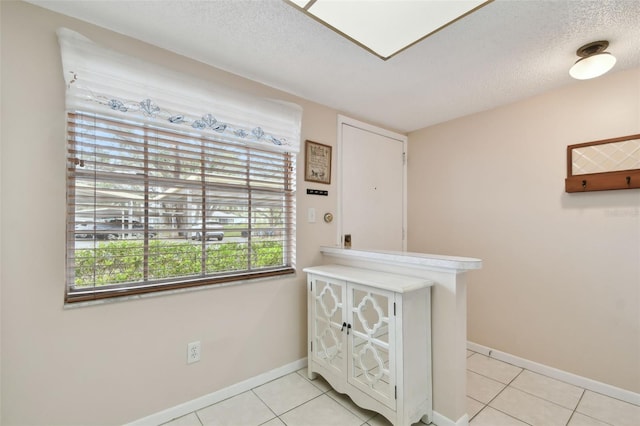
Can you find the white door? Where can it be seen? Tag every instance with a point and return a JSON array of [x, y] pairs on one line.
[[373, 186]]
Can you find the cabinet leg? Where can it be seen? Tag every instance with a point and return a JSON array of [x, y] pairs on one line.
[[311, 375]]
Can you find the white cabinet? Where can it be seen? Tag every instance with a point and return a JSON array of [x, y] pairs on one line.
[[370, 337]]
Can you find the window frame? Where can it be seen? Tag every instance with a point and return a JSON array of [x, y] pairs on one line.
[[74, 294]]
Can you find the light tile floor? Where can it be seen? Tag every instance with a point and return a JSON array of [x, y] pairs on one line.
[[498, 394]]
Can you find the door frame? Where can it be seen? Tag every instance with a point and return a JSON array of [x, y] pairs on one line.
[[343, 120]]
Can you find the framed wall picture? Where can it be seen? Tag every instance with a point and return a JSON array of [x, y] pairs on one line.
[[317, 166]]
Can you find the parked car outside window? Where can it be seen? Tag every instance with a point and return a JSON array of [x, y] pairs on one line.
[[111, 230], [213, 231]]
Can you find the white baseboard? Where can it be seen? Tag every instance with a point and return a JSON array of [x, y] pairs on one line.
[[554, 373], [440, 420], [220, 395]]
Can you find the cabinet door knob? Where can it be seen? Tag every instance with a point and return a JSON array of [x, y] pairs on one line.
[[348, 328], [344, 324]]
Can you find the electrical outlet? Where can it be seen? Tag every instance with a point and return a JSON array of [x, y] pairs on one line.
[[193, 352]]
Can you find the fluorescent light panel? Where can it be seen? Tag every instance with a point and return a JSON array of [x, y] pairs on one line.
[[386, 27]]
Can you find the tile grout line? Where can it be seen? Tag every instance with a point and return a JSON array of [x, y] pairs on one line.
[[506, 414], [328, 391], [495, 359], [584, 391], [548, 400], [479, 402], [592, 385], [498, 394], [293, 408], [265, 404], [574, 410], [199, 419], [297, 406], [331, 398], [510, 384], [612, 397]]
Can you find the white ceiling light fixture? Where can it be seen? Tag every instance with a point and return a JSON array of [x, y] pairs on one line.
[[387, 27], [593, 62]]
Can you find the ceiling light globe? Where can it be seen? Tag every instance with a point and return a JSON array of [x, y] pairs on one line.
[[592, 66]]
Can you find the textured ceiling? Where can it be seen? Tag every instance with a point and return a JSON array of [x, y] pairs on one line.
[[506, 51]]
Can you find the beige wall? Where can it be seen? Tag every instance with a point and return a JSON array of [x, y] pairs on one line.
[[559, 286], [560, 283], [119, 362]]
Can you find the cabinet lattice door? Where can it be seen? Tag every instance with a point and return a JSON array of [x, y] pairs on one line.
[[371, 342], [328, 345]]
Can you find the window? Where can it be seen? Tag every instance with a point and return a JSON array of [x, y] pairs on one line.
[[153, 208], [172, 181]]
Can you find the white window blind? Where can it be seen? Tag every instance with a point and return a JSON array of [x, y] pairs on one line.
[[160, 197], [150, 209]]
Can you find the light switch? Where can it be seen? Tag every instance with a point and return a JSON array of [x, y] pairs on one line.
[[311, 215]]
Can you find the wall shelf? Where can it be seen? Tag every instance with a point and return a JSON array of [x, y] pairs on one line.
[[604, 165]]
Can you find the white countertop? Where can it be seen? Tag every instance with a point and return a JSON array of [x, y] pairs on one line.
[[377, 279], [423, 260]]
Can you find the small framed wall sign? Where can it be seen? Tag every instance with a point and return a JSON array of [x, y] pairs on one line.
[[317, 166]]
